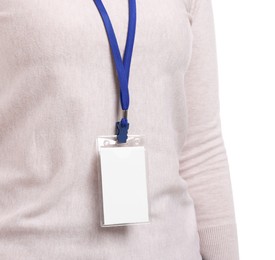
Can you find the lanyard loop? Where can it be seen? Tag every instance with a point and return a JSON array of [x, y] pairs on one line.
[[122, 66]]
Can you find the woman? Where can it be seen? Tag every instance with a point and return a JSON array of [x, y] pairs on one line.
[[59, 92]]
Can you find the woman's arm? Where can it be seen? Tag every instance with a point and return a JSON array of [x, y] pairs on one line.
[[203, 162]]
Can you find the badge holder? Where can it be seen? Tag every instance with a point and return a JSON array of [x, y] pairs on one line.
[[123, 181]]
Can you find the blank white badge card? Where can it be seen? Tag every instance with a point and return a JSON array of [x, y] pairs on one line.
[[124, 185]]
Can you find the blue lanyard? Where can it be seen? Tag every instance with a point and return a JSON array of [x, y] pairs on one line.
[[122, 67]]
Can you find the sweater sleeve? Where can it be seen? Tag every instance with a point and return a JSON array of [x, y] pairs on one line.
[[203, 159]]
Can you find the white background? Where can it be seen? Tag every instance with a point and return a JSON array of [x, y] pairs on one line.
[[245, 36]]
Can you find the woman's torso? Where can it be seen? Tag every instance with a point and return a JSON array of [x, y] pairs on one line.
[[58, 92]]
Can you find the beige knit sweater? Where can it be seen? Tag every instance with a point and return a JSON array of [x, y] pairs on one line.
[[59, 91]]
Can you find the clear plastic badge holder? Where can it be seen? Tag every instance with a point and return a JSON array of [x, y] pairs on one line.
[[123, 178]]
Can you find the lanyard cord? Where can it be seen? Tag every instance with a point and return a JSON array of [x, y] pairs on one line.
[[122, 66]]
